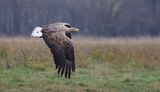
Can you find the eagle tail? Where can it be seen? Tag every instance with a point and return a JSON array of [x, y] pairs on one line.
[[37, 32]]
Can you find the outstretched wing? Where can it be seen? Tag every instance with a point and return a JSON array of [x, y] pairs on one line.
[[64, 59], [63, 56]]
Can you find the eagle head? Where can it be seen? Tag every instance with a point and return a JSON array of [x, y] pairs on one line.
[[70, 28]]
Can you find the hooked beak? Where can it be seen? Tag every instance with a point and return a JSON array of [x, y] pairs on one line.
[[75, 30]]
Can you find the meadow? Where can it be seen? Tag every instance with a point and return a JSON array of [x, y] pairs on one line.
[[103, 65]]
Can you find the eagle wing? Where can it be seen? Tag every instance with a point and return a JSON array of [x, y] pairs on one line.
[[63, 56]]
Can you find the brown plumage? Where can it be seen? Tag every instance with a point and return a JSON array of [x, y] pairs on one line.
[[57, 36]]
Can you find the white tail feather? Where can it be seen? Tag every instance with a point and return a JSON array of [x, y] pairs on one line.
[[37, 32]]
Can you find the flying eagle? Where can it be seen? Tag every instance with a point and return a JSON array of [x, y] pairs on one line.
[[57, 36]]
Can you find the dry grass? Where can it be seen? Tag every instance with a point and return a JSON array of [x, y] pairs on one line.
[[118, 50], [104, 65], [121, 50]]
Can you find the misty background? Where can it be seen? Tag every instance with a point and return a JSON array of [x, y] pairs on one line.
[[106, 18]]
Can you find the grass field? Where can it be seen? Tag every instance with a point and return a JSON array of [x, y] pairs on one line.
[[103, 65]]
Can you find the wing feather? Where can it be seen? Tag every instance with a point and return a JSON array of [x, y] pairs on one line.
[[63, 56], [66, 71]]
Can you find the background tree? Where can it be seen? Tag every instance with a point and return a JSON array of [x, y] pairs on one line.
[[93, 17]]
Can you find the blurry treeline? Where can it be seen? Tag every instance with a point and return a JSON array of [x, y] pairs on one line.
[[92, 17]]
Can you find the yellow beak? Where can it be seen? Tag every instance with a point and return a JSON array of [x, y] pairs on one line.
[[75, 30]]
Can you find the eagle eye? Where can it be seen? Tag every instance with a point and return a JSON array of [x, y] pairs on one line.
[[67, 25]]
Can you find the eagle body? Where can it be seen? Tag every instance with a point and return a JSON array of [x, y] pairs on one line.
[[57, 36]]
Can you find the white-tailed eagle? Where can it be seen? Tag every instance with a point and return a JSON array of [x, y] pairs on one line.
[[57, 36]]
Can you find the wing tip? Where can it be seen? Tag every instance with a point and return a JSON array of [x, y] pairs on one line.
[[66, 69]]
